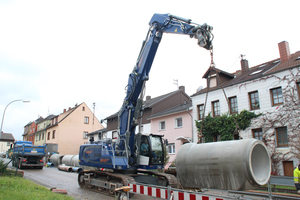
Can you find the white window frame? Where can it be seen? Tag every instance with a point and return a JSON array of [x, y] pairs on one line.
[[160, 125], [176, 122], [115, 135], [171, 148], [85, 136]]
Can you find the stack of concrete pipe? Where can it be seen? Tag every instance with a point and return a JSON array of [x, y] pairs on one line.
[[68, 163]]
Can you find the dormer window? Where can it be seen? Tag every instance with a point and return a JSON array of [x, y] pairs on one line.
[[212, 81]]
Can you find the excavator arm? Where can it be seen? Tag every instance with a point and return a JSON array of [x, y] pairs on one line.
[[132, 105]]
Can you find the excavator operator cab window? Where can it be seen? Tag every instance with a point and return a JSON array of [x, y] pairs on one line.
[[144, 146], [156, 149]]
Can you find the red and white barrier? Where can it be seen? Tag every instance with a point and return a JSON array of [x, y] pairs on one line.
[[163, 193]]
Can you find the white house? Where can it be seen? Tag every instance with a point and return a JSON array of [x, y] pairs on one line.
[[271, 88]]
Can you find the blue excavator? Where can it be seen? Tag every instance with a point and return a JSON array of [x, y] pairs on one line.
[[132, 157]]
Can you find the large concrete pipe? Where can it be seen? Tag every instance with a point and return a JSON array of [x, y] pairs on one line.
[[231, 165], [56, 159], [75, 161], [67, 160]]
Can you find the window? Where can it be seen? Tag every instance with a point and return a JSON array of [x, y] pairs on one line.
[[281, 135], [83, 108], [162, 125], [48, 136], [212, 81], [276, 95], [43, 136], [257, 133], [115, 135], [216, 108], [171, 148], [298, 87], [53, 134], [233, 105], [200, 111], [85, 134], [39, 137], [254, 101], [217, 138], [178, 122], [86, 120]]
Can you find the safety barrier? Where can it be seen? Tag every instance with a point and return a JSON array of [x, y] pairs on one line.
[[174, 194]]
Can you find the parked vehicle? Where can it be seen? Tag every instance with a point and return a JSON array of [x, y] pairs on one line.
[[25, 154]]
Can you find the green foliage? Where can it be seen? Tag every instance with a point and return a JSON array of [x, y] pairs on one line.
[[2, 167], [224, 125]]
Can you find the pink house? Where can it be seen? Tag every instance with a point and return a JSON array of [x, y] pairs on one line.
[[176, 126], [169, 114]]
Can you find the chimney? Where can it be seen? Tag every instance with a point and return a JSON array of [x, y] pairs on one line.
[[65, 110], [284, 51], [182, 88], [69, 108], [148, 98], [244, 66]]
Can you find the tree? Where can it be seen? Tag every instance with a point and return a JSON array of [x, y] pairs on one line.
[[224, 125]]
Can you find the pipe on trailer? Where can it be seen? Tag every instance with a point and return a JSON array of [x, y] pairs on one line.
[[230, 165], [65, 168]]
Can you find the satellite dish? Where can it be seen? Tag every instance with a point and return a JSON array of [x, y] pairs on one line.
[[199, 88]]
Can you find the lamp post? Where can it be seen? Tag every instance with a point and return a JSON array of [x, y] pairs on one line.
[[4, 113]]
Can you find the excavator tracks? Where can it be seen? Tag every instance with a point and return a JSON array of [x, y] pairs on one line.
[[106, 182], [103, 182]]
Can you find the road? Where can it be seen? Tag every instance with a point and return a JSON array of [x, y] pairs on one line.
[[54, 178]]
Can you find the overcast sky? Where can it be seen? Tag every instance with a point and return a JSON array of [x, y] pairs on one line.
[[59, 53]]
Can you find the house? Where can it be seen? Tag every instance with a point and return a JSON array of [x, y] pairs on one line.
[[271, 88], [26, 132], [30, 129], [168, 114], [70, 129], [98, 134], [6, 140], [176, 124], [40, 134]]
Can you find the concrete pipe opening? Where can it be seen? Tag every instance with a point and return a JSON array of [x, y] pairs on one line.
[[230, 165], [260, 164]]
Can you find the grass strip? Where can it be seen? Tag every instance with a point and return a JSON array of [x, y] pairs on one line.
[[12, 187]]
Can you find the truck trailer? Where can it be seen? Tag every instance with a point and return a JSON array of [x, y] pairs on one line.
[[25, 154]]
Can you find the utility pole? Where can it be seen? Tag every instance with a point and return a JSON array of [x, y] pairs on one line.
[[94, 105]]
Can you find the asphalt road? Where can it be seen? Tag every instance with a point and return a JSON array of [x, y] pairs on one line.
[[54, 178]]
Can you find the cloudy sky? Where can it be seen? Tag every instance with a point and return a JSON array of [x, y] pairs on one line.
[[61, 52]]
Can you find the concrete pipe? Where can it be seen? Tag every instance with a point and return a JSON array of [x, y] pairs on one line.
[[75, 161], [231, 165], [67, 160], [65, 168], [56, 159]]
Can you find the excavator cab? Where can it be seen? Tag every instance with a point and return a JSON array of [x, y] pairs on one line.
[[151, 152]]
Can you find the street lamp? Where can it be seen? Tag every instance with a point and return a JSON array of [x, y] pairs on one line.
[[4, 113]]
